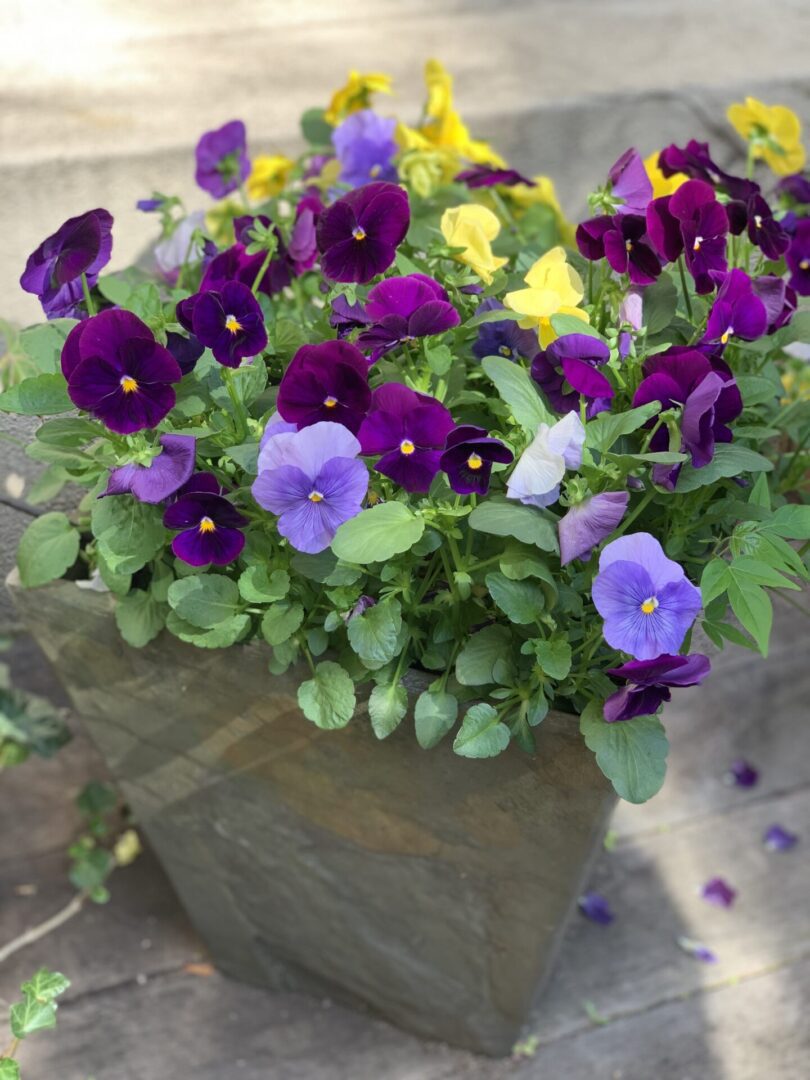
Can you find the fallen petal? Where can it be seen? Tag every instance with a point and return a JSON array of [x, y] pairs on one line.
[[595, 907], [741, 773], [696, 949], [778, 839], [718, 892]]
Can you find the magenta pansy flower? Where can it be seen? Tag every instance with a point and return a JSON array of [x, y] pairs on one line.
[[737, 311], [162, 477], [691, 221], [468, 458], [359, 234], [694, 161], [649, 682], [589, 522], [222, 161], [404, 308], [574, 360], [328, 381], [53, 272], [210, 527], [409, 430]]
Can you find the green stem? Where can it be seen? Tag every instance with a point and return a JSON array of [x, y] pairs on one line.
[[643, 504], [88, 299], [239, 409], [254, 288], [686, 299]]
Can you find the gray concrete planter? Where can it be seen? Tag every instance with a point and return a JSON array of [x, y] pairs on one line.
[[431, 888]]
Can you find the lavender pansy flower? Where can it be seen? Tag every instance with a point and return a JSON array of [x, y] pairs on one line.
[[796, 187], [718, 892], [737, 311], [181, 247], [589, 522], [359, 234], [222, 161], [409, 430], [209, 526], [630, 186], [328, 381], [574, 360], [365, 146], [468, 458], [779, 299], [230, 323], [162, 477], [645, 599], [481, 176], [798, 258], [117, 371], [536, 479], [503, 337], [595, 907], [53, 272], [777, 838], [649, 682], [741, 774], [404, 308], [313, 481]]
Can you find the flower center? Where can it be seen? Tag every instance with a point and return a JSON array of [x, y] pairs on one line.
[[505, 351], [475, 461], [726, 335], [330, 402], [804, 264], [128, 384], [697, 243], [628, 245], [206, 525], [315, 496], [232, 324], [649, 605], [375, 171], [757, 221], [406, 446], [358, 233]]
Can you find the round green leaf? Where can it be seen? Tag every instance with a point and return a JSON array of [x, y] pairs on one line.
[[328, 699], [204, 600], [434, 715], [378, 534], [47, 548], [481, 734]]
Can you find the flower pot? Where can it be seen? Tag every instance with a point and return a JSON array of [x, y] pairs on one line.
[[432, 888]]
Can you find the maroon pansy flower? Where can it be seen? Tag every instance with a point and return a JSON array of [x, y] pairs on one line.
[[359, 234], [117, 371], [222, 161], [404, 308], [622, 240], [481, 176], [569, 369], [82, 245], [763, 229], [798, 258], [737, 311], [691, 221], [410, 431], [694, 161], [649, 682], [210, 527], [230, 323], [328, 381], [468, 458]]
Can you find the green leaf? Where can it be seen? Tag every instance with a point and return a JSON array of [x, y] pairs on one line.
[[790, 521], [603, 431], [31, 723], [245, 455], [483, 657], [47, 548], [756, 389], [631, 753], [47, 485], [221, 636], [498, 315], [374, 635], [315, 128], [729, 460], [9, 1069], [40, 395], [434, 714], [280, 622], [521, 601], [752, 606], [129, 532], [115, 288], [659, 303], [378, 534], [328, 699], [139, 617], [70, 431], [505, 517], [38, 1010], [387, 706], [481, 734], [554, 657], [518, 391], [714, 581], [570, 324], [204, 600], [760, 493], [42, 344], [748, 569], [258, 587]]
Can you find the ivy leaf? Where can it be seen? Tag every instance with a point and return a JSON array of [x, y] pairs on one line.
[[505, 517], [47, 548], [554, 657], [259, 587], [521, 601], [38, 1010], [434, 715], [378, 534], [139, 617], [518, 391], [204, 600], [484, 655], [328, 699], [752, 606], [729, 460], [374, 634], [280, 622], [387, 706], [631, 753], [481, 734], [40, 395]]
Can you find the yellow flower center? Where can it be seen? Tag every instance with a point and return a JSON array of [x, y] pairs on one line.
[[628, 245], [406, 446], [330, 402], [315, 496], [697, 243], [505, 350], [757, 221], [804, 264], [358, 233], [475, 461], [206, 525], [726, 335], [128, 384], [375, 171], [232, 324], [649, 605]]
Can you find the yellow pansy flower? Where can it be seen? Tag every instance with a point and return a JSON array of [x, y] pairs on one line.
[[356, 94], [268, 176], [473, 228], [542, 194], [662, 185], [444, 127], [774, 132], [439, 84], [554, 288]]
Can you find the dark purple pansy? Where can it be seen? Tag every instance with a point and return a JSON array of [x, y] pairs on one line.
[[117, 371], [649, 682], [410, 430], [779, 299], [763, 229], [503, 337], [186, 350], [280, 271], [798, 258], [622, 240], [796, 187], [346, 317], [222, 161], [694, 161], [718, 892], [479, 176], [230, 323], [696, 949], [589, 522], [737, 311], [328, 381], [82, 245], [404, 308], [164, 475], [741, 774], [359, 234], [595, 907], [210, 525], [777, 838], [468, 457], [630, 186], [691, 220], [569, 370]]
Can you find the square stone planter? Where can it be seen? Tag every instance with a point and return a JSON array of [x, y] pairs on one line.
[[431, 888]]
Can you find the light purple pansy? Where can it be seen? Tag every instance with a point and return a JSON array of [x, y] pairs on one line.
[[365, 146], [536, 479], [589, 522], [630, 185], [162, 477], [645, 599], [181, 247]]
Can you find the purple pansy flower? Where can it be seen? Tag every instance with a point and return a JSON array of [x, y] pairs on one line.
[[763, 229], [573, 360], [53, 272], [480, 176], [718, 892], [186, 350], [796, 187], [630, 185], [410, 430], [404, 308], [162, 477], [536, 479], [693, 221], [649, 682], [148, 206], [778, 839], [359, 234], [181, 247], [117, 371], [622, 240], [230, 323], [503, 337], [737, 311], [302, 250], [694, 161], [779, 299], [365, 145], [595, 907], [210, 525], [798, 258], [346, 317], [328, 381], [741, 774], [645, 599], [313, 481], [696, 949], [589, 522], [468, 457], [222, 161], [245, 268]]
